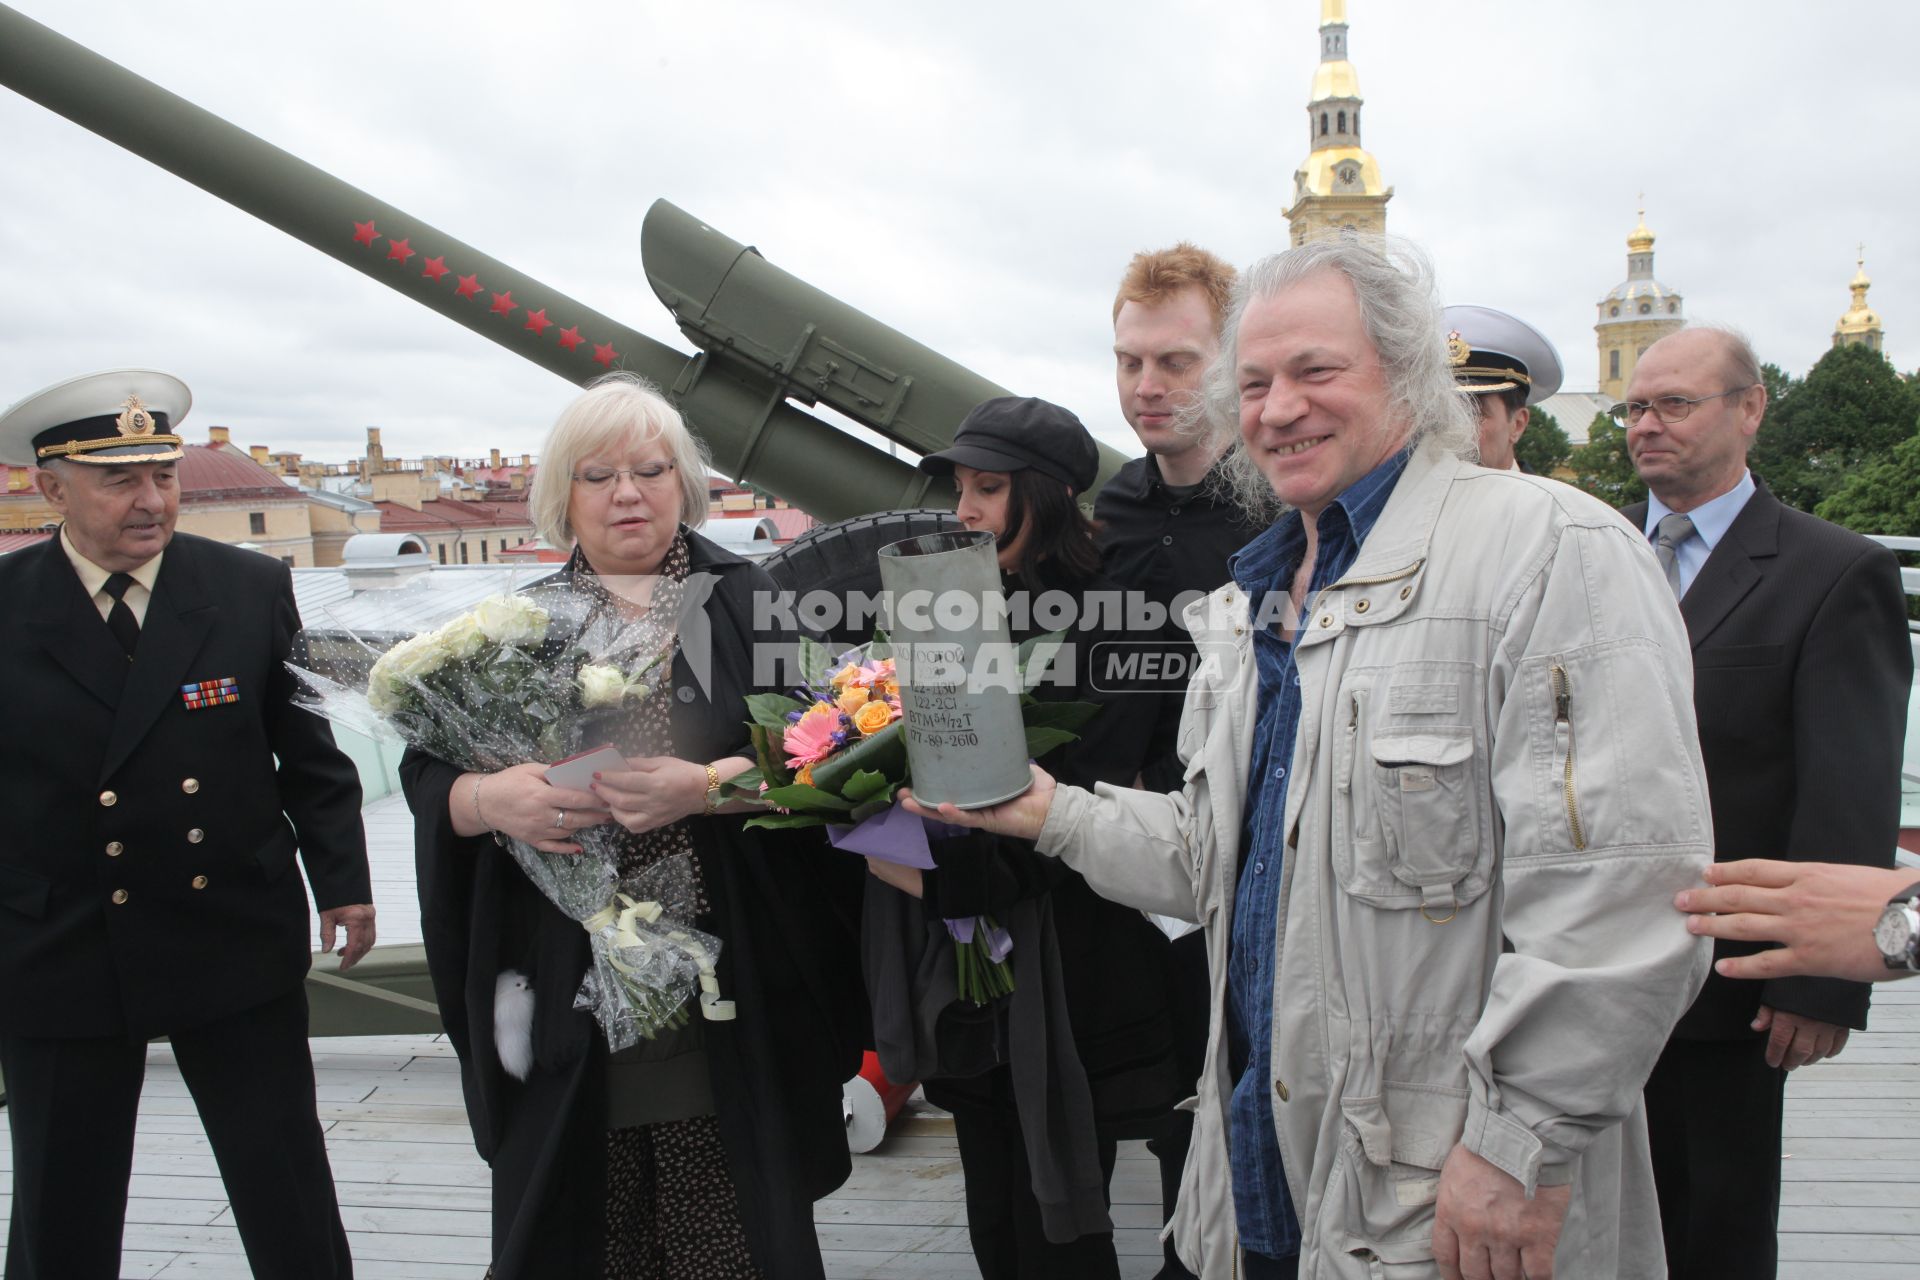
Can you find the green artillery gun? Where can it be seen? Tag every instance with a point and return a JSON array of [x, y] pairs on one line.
[[767, 344]]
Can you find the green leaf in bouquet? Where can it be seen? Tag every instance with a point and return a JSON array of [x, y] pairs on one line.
[[816, 661], [880, 802], [1035, 653], [785, 821], [770, 709], [880, 648], [863, 785], [744, 785], [1041, 740], [766, 749], [884, 753], [798, 795]]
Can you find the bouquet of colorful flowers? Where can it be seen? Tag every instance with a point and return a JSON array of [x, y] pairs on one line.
[[528, 678], [833, 753]]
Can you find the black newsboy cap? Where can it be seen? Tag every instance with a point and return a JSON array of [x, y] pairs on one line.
[[1013, 433]]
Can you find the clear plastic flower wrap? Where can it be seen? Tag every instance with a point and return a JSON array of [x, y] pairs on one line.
[[534, 677]]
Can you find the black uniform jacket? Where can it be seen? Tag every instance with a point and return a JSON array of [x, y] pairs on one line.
[[146, 864], [785, 907], [1801, 673]]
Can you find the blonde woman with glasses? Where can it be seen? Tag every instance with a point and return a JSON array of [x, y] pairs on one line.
[[698, 1155]]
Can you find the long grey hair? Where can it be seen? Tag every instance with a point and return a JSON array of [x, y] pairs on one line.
[[1393, 281]]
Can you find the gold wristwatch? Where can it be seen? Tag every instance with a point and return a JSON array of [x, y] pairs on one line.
[[713, 790]]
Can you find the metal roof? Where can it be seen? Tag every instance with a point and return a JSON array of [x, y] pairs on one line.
[[328, 601]]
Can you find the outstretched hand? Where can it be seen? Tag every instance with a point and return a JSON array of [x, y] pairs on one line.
[[1823, 912], [1021, 817]]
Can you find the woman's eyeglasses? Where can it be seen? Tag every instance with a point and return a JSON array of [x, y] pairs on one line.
[[653, 475]]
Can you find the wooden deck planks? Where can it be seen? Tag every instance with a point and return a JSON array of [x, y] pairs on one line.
[[414, 1195]]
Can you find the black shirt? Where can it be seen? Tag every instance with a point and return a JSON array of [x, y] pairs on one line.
[[1161, 541]]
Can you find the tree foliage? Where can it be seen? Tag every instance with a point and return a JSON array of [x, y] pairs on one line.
[[1850, 410], [1601, 465], [1882, 496], [1544, 447]]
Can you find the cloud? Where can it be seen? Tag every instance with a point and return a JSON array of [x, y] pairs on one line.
[[976, 177]]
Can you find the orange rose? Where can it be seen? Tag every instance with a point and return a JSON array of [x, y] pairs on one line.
[[844, 674], [873, 717], [852, 699]]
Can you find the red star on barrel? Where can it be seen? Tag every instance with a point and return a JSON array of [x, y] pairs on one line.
[[468, 286], [570, 338], [538, 322], [399, 249], [364, 233], [503, 304], [603, 353], [436, 267]]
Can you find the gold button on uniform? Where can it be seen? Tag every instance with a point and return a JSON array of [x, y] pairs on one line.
[[190, 785], [108, 799], [199, 882], [115, 848], [1280, 1087], [119, 896], [195, 836]]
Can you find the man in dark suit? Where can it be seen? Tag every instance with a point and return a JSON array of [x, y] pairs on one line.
[[1802, 670], [157, 782]]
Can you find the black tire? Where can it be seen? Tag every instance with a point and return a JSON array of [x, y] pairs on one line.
[[843, 558]]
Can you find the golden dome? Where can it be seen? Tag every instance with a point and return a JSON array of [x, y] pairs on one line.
[[1335, 80], [1860, 318], [1640, 240]]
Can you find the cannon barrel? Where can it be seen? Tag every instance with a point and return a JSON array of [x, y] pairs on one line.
[[734, 304], [754, 434]]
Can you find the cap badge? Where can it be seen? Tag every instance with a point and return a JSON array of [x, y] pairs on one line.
[[134, 420], [1457, 349]]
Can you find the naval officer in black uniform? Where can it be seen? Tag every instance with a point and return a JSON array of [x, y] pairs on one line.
[[157, 783]]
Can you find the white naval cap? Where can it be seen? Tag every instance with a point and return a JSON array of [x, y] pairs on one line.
[[110, 418], [1493, 351]]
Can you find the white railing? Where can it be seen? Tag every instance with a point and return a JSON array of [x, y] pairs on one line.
[[1910, 578]]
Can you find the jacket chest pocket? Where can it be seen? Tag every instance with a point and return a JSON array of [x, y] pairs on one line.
[[1410, 805]]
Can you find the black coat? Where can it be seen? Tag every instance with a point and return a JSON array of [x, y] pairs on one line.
[[785, 907], [110, 783], [1113, 961], [1801, 674]]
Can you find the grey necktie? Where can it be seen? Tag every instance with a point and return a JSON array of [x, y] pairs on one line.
[[1668, 535]]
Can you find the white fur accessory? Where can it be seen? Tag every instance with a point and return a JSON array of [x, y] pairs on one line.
[[513, 1023]]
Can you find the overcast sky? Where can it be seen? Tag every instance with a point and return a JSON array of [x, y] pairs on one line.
[[975, 175]]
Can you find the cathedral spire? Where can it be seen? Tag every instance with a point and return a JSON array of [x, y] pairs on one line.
[[1860, 324], [1634, 314], [1338, 191]]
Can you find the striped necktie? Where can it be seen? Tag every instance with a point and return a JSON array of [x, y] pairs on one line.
[[1668, 535]]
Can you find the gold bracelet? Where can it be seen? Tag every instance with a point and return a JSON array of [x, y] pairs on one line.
[[713, 790]]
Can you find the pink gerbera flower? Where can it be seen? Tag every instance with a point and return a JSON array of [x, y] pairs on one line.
[[810, 739]]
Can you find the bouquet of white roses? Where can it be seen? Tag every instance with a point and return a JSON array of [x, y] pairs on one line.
[[530, 677]]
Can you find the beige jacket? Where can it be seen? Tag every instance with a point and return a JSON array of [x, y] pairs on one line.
[[1496, 792]]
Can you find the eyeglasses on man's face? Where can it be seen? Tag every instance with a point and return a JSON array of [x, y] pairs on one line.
[[1671, 409], [648, 475]]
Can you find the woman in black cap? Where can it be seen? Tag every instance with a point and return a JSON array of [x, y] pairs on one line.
[[1035, 1178]]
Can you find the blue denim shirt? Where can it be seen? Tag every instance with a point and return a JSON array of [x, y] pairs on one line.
[[1264, 568]]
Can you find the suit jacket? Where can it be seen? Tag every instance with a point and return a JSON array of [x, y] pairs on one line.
[[1802, 670], [146, 879]]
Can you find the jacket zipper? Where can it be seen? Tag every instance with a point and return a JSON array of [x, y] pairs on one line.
[[1563, 728]]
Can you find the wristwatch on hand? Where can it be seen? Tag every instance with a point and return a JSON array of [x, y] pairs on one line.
[[1898, 932]]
